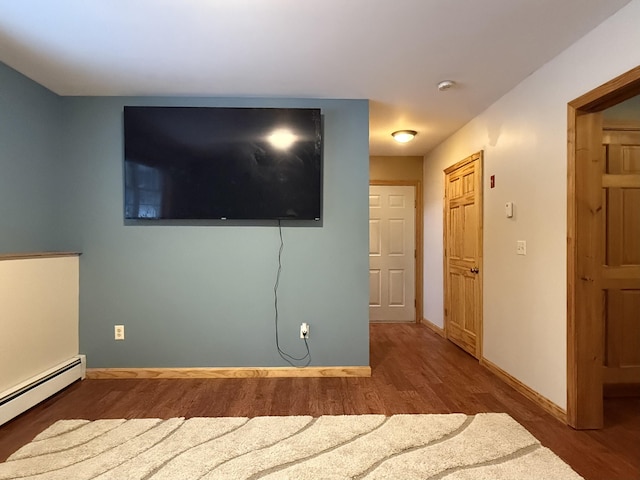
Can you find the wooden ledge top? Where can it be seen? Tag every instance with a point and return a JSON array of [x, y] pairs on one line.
[[28, 255], [229, 372]]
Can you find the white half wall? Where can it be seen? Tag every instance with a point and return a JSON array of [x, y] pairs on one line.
[[38, 316], [524, 138]]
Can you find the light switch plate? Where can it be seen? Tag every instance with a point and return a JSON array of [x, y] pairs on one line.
[[521, 247]]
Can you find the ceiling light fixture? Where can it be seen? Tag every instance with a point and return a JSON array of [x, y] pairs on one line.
[[446, 85], [404, 136]]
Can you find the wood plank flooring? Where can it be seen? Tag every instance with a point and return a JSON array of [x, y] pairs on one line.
[[413, 371]]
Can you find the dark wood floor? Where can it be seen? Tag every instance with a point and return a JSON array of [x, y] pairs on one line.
[[413, 371]]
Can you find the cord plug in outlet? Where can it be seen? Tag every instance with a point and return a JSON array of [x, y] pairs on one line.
[[304, 330]]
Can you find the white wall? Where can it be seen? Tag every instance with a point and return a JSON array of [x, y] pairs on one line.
[[38, 316], [524, 139]]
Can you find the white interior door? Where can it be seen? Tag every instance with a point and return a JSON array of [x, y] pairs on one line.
[[392, 253]]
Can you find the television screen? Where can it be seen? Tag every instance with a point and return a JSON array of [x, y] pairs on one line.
[[222, 163]]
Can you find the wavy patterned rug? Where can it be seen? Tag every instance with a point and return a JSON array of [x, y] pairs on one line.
[[454, 447]]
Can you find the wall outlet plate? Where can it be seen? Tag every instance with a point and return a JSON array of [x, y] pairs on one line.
[[304, 330], [118, 332]]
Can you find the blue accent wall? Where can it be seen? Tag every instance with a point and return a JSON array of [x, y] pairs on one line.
[[30, 133], [199, 296]]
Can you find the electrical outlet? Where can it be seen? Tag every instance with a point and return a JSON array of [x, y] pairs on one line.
[[521, 247], [118, 331], [304, 330]]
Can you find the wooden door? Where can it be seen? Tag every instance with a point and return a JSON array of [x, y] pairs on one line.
[[392, 253], [621, 254], [463, 254]]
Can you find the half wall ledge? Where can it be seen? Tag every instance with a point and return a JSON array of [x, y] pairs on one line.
[[28, 255]]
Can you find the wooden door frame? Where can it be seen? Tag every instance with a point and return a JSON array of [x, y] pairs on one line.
[[418, 234], [479, 156], [585, 327]]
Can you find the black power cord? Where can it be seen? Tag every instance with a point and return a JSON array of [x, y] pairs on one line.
[[284, 355]]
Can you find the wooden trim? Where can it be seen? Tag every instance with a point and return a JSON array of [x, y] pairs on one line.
[[433, 327], [480, 233], [228, 372], [463, 162], [25, 256], [615, 91], [419, 243], [573, 368], [445, 260], [586, 282], [391, 183], [543, 402], [419, 252]]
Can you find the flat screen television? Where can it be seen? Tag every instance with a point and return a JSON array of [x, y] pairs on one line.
[[210, 163]]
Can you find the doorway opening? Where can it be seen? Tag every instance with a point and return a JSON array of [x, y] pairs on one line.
[[589, 277], [404, 171], [395, 285]]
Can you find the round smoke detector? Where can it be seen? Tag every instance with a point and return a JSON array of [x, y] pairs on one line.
[[445, 85]]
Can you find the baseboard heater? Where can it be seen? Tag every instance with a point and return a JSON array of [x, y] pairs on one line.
[[27, 394]]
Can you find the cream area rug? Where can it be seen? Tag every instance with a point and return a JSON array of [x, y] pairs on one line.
[[488, 446]]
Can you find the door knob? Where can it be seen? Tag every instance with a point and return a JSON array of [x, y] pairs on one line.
[[474, 270]]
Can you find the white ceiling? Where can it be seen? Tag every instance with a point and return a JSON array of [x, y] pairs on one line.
[[392, 52]]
